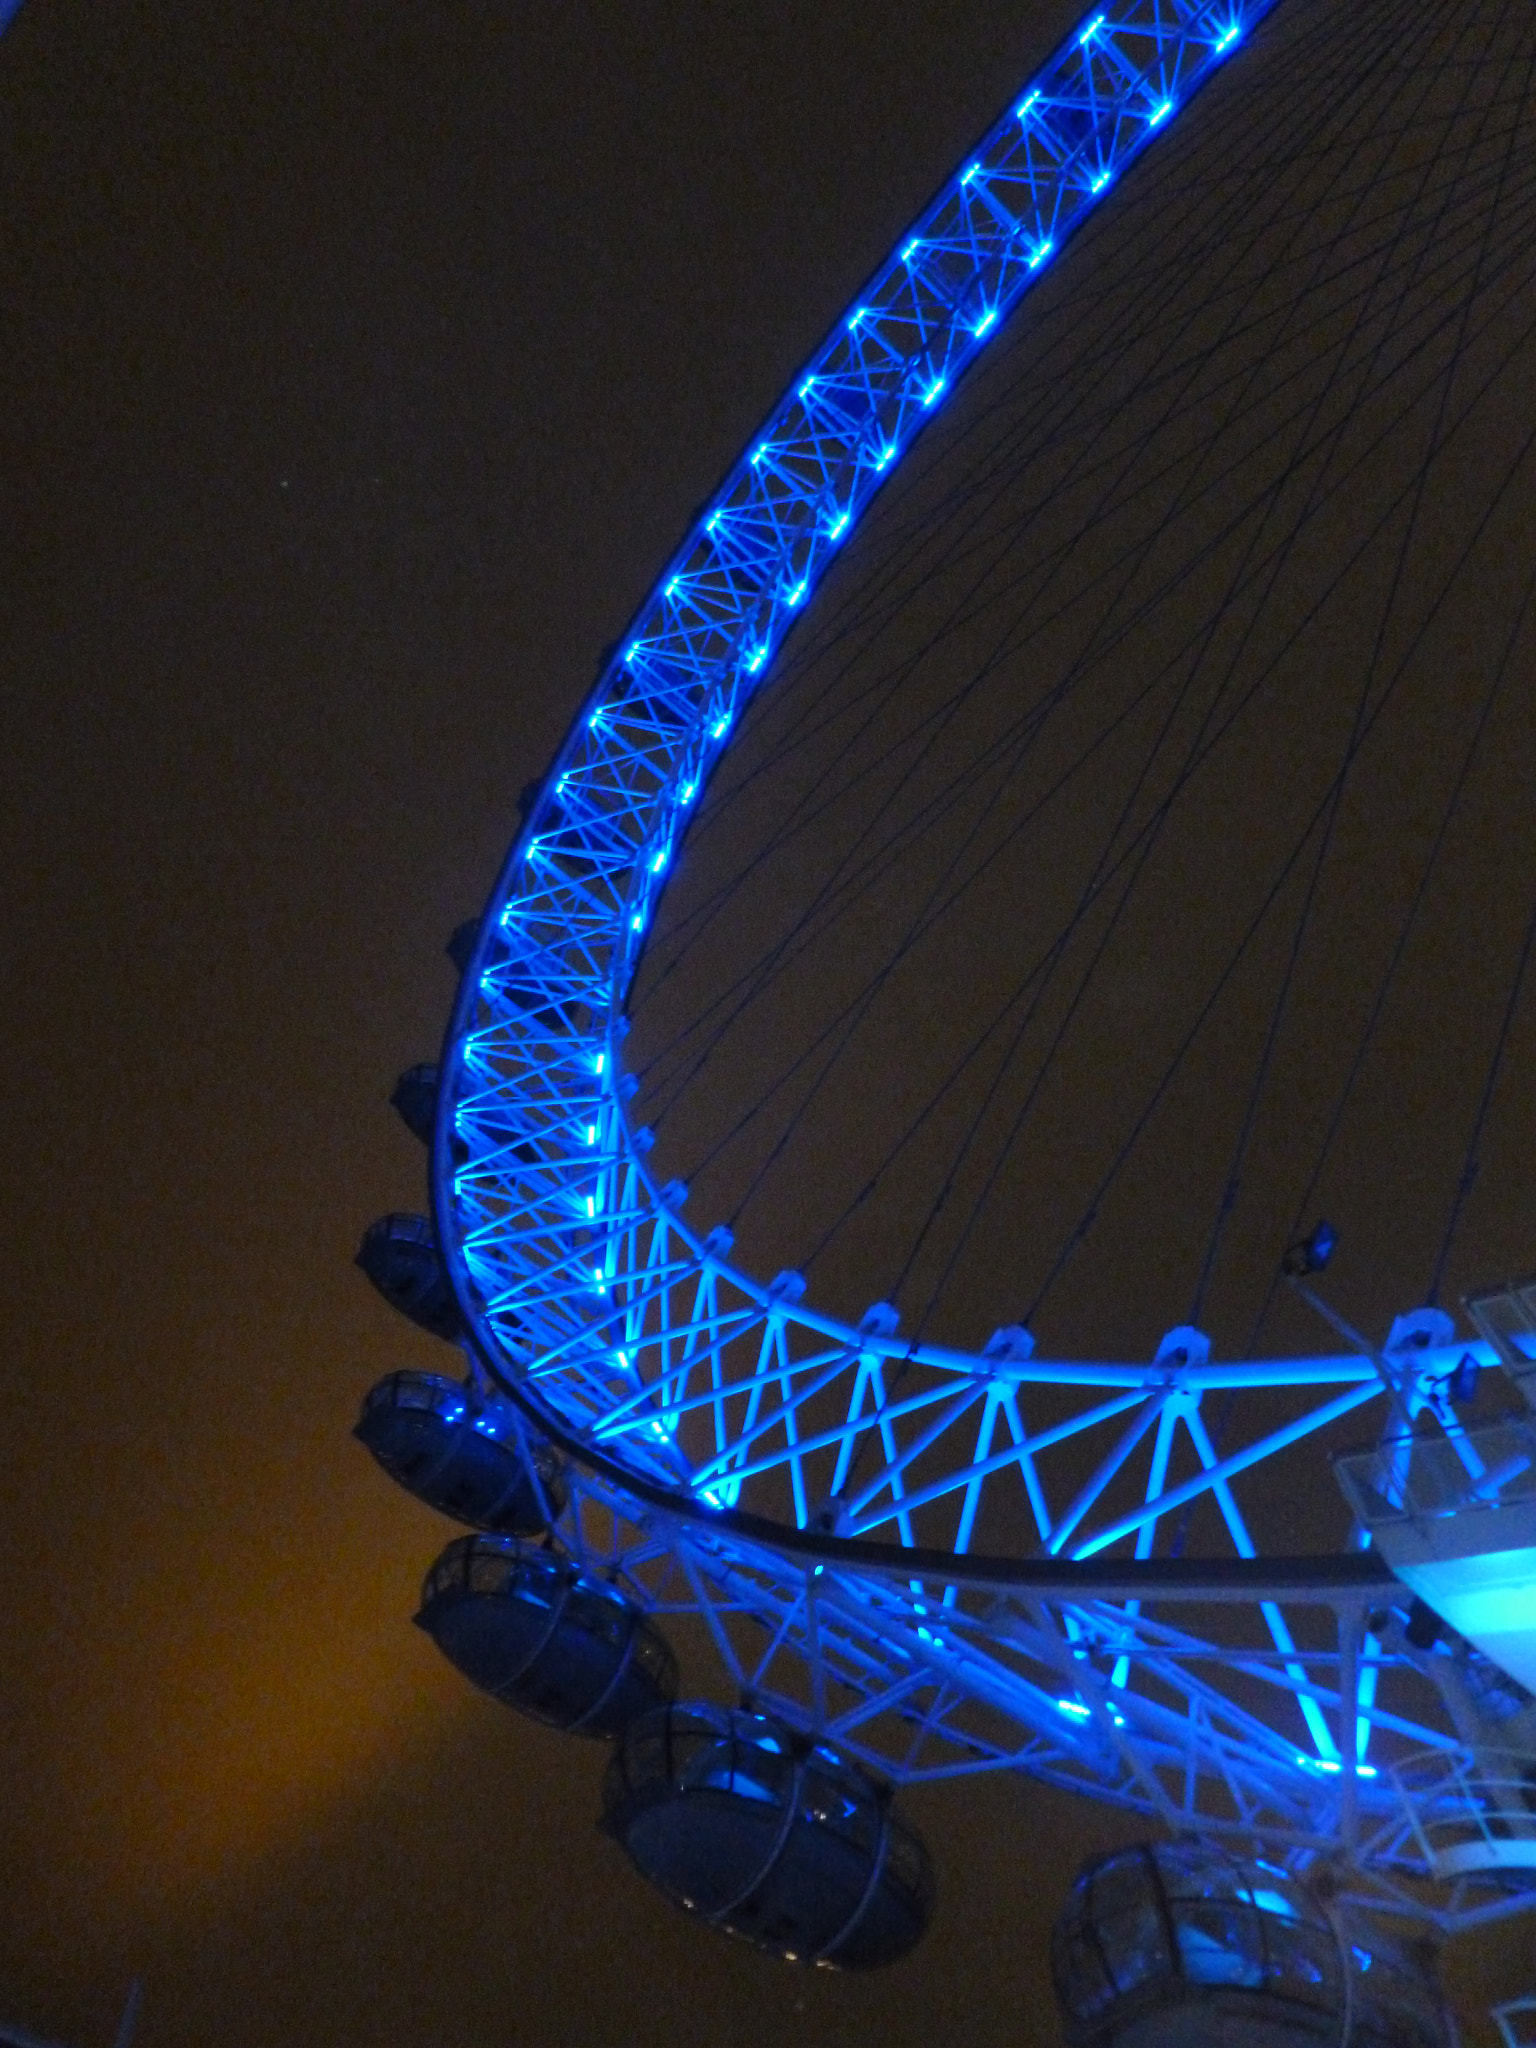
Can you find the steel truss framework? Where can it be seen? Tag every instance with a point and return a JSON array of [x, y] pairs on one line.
[[819, 1484]]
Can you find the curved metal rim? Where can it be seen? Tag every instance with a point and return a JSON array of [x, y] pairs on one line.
[[1244, 1579], [697, 667]]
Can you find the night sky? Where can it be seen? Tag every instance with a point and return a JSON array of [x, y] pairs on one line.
[[361, 364]]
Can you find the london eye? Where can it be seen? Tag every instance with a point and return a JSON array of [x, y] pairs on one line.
[[1051, 846]]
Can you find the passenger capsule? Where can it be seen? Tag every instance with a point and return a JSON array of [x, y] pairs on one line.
[[461, 943], [433, 1437], [764, 1834], [399, 1255], [537, 1632], [415, 1100], [1179, 1944]]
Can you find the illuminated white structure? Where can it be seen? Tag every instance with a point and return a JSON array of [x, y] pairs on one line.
[[1455, 1517]]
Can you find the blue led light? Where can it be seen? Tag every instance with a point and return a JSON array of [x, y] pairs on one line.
[[797, 595], [968, 173], [1076, 1711], [1091, 31], [935, 390], [987, 321], [838, 525], [1270, 1901], [1229, 36], [1029, 101], [1161, 113], [910, 250]]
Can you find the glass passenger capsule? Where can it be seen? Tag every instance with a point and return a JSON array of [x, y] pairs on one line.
[[415, 1100], [1179, 1946], [538, 1633], [399, 1254], [433, 1438], [761, 1833]]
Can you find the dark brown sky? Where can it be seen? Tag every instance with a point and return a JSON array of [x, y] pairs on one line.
[[358, 365]]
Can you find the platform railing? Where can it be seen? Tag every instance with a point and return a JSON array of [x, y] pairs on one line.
[[1472, 1814], [1422, 1478], [1506, 1317]]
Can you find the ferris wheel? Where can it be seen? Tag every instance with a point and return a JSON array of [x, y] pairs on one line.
[[1174, 1582]]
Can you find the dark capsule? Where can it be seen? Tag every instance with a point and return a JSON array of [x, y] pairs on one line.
[[399, 1255], [1178, 1942], [415, 1098], [433, 1437], [538, 1633], [461, 943], [764, 1834]]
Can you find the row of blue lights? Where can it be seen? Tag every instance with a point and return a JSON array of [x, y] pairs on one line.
[[1189, 41]]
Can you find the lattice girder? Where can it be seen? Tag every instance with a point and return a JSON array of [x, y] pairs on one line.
[[631, 1334]]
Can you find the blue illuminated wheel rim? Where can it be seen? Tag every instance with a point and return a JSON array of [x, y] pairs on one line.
[[697, 1396]]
